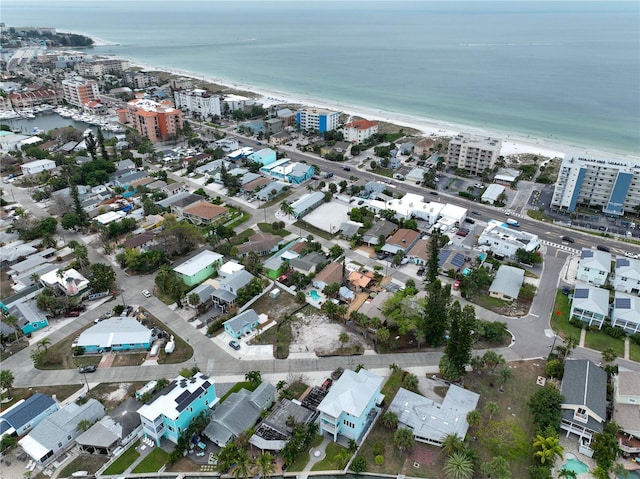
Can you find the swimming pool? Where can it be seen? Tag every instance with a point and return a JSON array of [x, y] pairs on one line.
[[575, 465], [466, 272], [314, 295]]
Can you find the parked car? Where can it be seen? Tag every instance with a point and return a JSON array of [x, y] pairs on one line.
[[73, 314], [87, 369], [604, 248], [146, 293], [327, 383], [234, 344], [566, 290], [346, 168], [470, 221], [568, 239], [127, 311], [421, 271], [456, 284]]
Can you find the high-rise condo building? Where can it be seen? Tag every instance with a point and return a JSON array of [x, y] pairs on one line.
[[473, 154]]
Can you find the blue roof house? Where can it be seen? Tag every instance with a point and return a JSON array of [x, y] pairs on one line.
[[242, 324], [30, 317], [171, 412], [26, 414], [351, 405], [266, 156]]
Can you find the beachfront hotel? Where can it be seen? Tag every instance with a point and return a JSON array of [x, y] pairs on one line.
[[198, 102], [318, 120], [613, 185], [78, 91], [473, 154], [156, 121], [359, 131]]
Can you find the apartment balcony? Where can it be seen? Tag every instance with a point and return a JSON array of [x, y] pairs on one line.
[[628, 443]]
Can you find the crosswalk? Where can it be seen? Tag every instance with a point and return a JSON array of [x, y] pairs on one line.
[[561, 247]]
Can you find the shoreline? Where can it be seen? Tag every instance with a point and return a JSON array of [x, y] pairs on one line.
[[512, 143]]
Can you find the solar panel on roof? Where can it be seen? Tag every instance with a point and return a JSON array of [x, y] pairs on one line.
[[623, 262], [182, 397], [581, 293], [442, 257], [587, 253], [458, 260], [623, 303]]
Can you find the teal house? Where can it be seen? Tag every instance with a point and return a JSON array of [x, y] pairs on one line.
[[30, 318], [266, 156], [242, 324], [115, 334], [202, 266], [176, 406]]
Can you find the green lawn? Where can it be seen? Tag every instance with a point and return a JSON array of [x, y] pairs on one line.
[[537, 215], [328, 463], [123, 462], [242, 237], [237, 387], [560, 323], [599, 341], [268, 228], [153, 462], [301, 461], [634, 352]]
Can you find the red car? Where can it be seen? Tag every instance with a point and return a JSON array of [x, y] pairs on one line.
[[456, 284], [73, 314]]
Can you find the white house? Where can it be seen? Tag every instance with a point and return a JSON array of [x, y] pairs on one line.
[[626, 277], [507, 283], [626, 386], [590, 304], [492, 193], [503, 241], [626, 312], [594, 266], [37, 166]]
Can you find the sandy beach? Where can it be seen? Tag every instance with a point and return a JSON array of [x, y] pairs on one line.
[[512, 144]]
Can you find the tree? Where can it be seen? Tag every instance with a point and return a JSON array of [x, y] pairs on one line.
[[254, 377], [410, 382], [287, 209], [242, 468], [403, 439], [567, 474], [342, 458], [359, 464], [433, 260], [265, 465], [434, 321], [609, 355], [458, 466], [335, 251], [491, 408], [6, 381], [389, 420], [492, 360], [458, 348], [83, 425], [452, 443], [12, 320], [605, 446], [547, 448], [194, 300], [102, 277], [545, 407], [44, 343], [473, 418], [496, 468], [505, 374], [344, 339], [331, 290]]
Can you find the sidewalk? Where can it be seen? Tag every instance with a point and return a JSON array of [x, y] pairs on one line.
[[316, 455]]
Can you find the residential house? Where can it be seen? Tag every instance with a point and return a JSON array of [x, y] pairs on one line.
[[419, 253], [289, 171], [236, 281], [141, 242], [131, 179], [306, 203], [30, 318], [204, 292], [123, 333], [503, 241], [394, 163], [332, 273], [626, 401], [423, 146], [349, 229], [229, 268], [416, 175], [37, 166], [197, 159], [212, 168], [179, 202], [380, 229], [506, 176], [626, 277], [26, 414], [584, 401], [308, 263], [68, 282], [176, 188], [590, 304], [492, 193], [204, 213], [359, 131], [430, 421], [260, 243], [273, 125], [402, 240], [242, 324], [255, 185], [372, 187], [360, 280], [279, 138], [173, 408], [594, 266], [238, 413], [346, 295], [224, 299], [58, 430], [507, 283], [351, 405], [626, 312], [287, 116], [275, 429], [199, 267], [265, 157]]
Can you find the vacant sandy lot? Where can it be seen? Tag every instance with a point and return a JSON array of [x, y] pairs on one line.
[[316, 333]]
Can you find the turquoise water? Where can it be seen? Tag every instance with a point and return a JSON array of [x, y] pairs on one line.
[[466, 272], [631, 475], [576, 466], [564, 71], [314, 295]]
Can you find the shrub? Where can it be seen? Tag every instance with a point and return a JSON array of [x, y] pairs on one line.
[[378, 448], [635, 338], [614, 332], [359, 464], [555, 369], [379, 460], [576, 323]]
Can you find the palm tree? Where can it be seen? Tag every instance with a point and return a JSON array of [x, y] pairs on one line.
[[474, 418], [567, 474], [410, 382], [254, 377], [12, 321], [458, 466], [504, 373], [492, 408], [6, 381], [389, 420], [342, 458], [44, 343], [35, 277], [194, 300], [286, 208], [242, 469], [547, 448], [344, 339], [265, 465], [609, 355], [452, 443], [403, 439]]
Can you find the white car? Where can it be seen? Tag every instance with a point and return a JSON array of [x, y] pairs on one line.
[[146, 293], [631, 255]]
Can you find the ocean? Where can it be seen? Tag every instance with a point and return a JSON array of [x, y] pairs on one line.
[[567, 72]]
